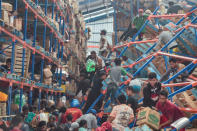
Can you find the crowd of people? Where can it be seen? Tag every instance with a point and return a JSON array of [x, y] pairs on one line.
[[124, 106], [115, 110]]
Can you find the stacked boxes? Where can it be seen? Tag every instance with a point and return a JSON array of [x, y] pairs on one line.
[[149, 117], [8, 17]]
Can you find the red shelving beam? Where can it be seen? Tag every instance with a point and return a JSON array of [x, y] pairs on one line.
[[176, 56], [176, 84], [24, 84], [61, 12], [192, 25], [135, 63], [172, 15], [135, 42], [43, 20], [166, 16], [14, 37]]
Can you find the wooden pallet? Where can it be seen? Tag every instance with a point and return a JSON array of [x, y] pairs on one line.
[[18, 60]]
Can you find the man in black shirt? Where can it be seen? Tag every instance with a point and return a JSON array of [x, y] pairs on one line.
[[83, 84], [151, 91], [131, 101], [95, 91]]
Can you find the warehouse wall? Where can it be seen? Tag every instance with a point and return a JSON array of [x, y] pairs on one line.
[[96, 27]]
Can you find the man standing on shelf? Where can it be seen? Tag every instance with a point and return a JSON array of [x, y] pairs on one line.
[[95, 91], [174, 68], [115, 79], [139, 21]]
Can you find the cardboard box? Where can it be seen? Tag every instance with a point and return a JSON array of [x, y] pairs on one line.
[[5, 16], [18, 23], [6, 6], [149, 117]]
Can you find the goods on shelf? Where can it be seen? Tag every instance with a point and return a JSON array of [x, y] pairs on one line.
[[149, 117], [5, 16], [6, 6], [18, 23]]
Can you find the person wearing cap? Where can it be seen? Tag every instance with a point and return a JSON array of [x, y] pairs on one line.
[[139, 21], [95, 91], [91, 120], [73, 110]]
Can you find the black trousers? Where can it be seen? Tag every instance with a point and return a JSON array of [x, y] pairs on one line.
[[90, 100]]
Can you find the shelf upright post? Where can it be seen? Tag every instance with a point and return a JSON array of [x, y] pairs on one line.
[[51, 94], [47, 95], [63, 27], [55, 97], [36, 1], [12, 71], [9, 98], [30, 95], [34, 44], [42, 67], [62, 50], [15, 5], [24, 38], [67, 18], [0, 9], [45, 9], [13, 55], [42, 62], [53, 8], [21, 98], [55, 42], [60, 22], [138, 5], [56, 16], [58, 51], [44, 36], [51, 41], [115, 23], [40, 91]]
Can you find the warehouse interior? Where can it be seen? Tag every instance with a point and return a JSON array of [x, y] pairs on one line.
[[91, 61]]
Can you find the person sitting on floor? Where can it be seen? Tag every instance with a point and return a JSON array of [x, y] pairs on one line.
[[151, 91]]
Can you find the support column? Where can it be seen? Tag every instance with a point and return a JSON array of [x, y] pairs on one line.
[[21, 98], [39, 100]]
